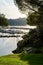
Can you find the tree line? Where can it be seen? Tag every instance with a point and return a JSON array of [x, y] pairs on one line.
[[3, 20]]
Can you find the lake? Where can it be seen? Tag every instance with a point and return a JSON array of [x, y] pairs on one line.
[[7, 45]]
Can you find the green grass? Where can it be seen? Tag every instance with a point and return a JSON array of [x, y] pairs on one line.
[[22, 59]]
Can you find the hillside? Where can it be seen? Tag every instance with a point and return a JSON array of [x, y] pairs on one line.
[[17, 22]]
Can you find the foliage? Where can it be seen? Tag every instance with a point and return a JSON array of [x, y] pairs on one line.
[[29, 4], [3, 20], [32, 19], [36, 18], [35, 37]]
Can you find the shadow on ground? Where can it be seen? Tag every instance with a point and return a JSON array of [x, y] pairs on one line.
[[32, 59]]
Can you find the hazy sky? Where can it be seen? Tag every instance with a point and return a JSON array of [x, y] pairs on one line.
[[8, 8]]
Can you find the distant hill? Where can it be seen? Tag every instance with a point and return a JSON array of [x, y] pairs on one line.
[[17, 22]]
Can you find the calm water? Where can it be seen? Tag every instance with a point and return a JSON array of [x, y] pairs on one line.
[[7, 45]]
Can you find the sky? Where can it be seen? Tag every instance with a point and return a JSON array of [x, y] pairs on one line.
[[10, 10]]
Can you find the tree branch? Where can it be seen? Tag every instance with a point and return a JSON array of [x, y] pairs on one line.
[[30, 7]]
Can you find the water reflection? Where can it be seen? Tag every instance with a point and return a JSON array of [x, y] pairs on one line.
[[7, 45]]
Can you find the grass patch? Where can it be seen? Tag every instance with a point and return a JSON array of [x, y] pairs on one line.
[[22, 59]]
